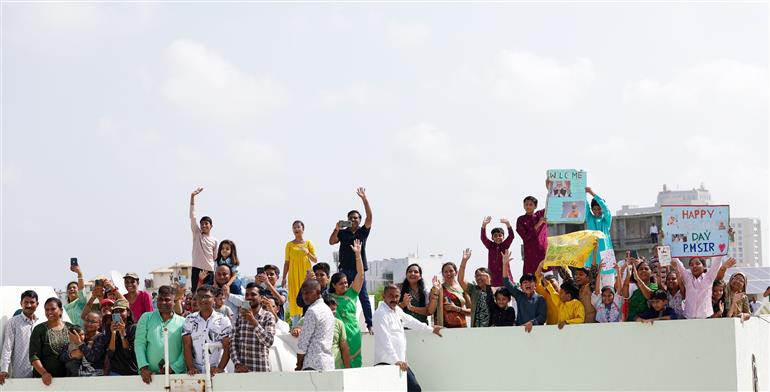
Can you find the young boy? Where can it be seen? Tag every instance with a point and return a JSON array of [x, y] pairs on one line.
[[659, 309], [496, 247], [502, 315], [571, 310], [219, 304]]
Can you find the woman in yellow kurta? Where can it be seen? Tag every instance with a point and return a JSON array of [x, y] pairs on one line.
[[299, 255]]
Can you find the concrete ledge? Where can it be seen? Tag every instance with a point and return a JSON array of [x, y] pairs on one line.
[[682, 355], [380, 378]]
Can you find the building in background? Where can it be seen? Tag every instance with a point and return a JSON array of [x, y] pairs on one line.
[[393, 270], [747, 244], [165, 276]]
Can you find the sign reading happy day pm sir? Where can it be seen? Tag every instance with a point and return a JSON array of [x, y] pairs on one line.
[[696, 230]]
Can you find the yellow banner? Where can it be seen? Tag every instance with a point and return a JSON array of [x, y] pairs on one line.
[[571, 250]]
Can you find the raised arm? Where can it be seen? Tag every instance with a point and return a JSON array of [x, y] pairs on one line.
[[627, 280], [508, 240], [193, 221], [507, 277], [461, 272], [333, 238], [640, 284], [435, 293], [484, 239], [358, 282], [722, 269], [361, 192]]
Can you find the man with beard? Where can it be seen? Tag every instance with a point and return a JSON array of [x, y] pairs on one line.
[[15, 352]]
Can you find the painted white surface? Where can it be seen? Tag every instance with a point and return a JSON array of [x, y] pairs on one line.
[[683, 355], [381, 378]]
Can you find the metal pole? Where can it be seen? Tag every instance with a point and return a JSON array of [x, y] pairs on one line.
[[165, 358], [207, 361]]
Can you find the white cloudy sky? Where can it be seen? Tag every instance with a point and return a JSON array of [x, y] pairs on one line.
[[113, 113]]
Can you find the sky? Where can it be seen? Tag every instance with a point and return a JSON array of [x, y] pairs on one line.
[[113, 113]]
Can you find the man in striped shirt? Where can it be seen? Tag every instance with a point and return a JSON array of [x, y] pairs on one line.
[[253, 335], [15, 352]]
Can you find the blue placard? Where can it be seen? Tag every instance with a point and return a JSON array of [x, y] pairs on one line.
[[566, 202], [696, 230]]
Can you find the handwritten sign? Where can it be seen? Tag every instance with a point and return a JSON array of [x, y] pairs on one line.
[[664, 255], [696, 230], [566, 202], [571, 250], [607, 258]]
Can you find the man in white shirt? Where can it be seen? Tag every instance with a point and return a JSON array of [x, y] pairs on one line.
[[202, 327], [654, 233], [314, 349], [14, 360], [389, 339]]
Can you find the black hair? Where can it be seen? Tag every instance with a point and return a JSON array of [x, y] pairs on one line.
[[594, 203], [504, 292], [323, 267], [498, 230], [571, 289], [329, 300], [274, 268], [71, 283], [482, 269], [207, 219], [354, 212], [454, 266], [659, 294], [389, 287], [337, 277], [29, 294], [205, 288], [54, 300], [421, 300], [76, 328], [233, 252], [527, 278], [530, 198], [251, 285], [217, 291], [166, 290], [300, 222]]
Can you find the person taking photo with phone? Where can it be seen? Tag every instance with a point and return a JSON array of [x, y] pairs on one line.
[[76, 297], [345, 233]]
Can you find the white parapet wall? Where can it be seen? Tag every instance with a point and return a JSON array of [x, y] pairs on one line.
[[380, 378], [683, 355]]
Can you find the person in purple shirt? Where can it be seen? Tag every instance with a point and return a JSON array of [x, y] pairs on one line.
[[533, 230], [496, 246]]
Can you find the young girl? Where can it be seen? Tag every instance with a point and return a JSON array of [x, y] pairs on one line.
[[607, 303], [227, 255], [300, 253], [675, 292], [346, 297], [718, 299], [736, 301], [699, 283], [452, 308]]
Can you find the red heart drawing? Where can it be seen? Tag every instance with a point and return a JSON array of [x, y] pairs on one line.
[[721, 247]]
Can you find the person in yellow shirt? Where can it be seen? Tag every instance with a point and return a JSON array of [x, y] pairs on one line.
[[300, 253], [552, 311], [571, 310]]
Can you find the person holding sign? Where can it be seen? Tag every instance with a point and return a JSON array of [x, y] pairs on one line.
[[698, 283], [598, 218], [496, 246], [645, 286], [532, 227]]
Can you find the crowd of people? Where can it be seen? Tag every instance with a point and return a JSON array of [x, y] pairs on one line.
[[122, 333]]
